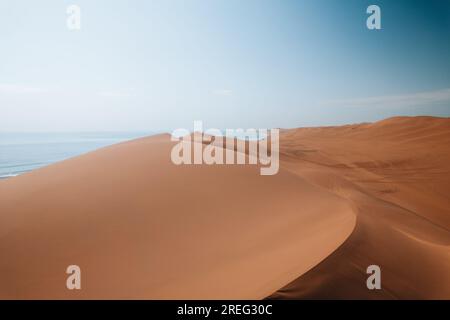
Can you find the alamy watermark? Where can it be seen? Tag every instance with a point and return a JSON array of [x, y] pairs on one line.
[[237, 146], [73, 281], [374, 280], [73, 21], [374, 20]]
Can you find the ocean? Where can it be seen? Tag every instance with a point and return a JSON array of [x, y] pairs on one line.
[[23, 152]]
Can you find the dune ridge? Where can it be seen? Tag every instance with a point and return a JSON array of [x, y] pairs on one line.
[[140, 227], [396, 173]]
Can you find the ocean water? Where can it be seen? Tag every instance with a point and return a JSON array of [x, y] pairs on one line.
[[23, 152]]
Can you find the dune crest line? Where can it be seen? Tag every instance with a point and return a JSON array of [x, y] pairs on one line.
[[139, 226], [395, 172]]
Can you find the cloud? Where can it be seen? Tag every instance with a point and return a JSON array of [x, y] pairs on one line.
[[19, 89], [402, 100], [126, 93], [222, 92], [22, 90]]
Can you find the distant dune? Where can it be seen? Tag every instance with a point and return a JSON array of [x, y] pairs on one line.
[[396, 175], [141, 227]]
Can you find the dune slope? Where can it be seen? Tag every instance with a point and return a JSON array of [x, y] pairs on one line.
[[396, 174], [141, 227]]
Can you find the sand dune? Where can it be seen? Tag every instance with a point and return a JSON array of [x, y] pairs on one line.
[[396, 173], [141, 227]]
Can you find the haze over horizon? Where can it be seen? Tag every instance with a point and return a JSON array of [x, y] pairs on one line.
[[156, 66]]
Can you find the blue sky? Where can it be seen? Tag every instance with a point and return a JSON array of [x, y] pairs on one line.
[[159, 65]]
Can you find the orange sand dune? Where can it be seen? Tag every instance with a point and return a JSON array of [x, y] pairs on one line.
[[141, 227], [396, 175]]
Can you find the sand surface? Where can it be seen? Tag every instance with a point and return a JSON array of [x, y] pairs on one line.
[[141, 227], [396, 174]]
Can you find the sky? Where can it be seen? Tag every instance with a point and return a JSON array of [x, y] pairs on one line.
[[158, 65]]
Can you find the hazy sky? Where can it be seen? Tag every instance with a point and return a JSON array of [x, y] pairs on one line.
[[159, 65]]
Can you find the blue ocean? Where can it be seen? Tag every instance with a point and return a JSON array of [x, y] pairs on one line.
[[23, 152]]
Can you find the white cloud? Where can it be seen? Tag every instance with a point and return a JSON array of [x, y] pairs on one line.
[[117, 93], [402, 100], [126, 93], [19, 89], [222, 92]]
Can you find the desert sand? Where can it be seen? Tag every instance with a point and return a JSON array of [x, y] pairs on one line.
[[141, 227]]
